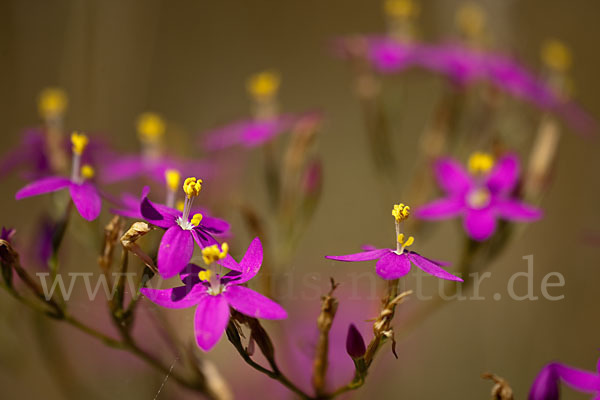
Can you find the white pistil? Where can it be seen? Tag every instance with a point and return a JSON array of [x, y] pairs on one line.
[[184, 220], [76, 169]]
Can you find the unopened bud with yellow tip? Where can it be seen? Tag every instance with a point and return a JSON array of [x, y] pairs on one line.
[[172, 177], [192, 187], [52, 102], [480, 163], [264, 85], [400, 212], [79, 142], [150, 127], [556, 55]]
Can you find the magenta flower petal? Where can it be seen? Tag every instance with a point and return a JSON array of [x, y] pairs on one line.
[[514, 210], [156, 214], [250, 264], [122, 169], [579, 379], [86, 200], [546, 384], [45, 185], [362, 256], [203, 239], [175, 251], [178, 297], [253, 304], [215, 225], [504, 175], [210, 320], [392, 266], [452, 177], [480, 224], [430, 268], [440, 209]]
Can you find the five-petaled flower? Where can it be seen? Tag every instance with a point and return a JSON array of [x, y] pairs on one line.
[[177, 244], [395, 263], [213, 293], [84, 194], [481, 197], [546, 384]]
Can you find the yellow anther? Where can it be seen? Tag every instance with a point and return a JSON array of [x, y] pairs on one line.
[[401, 238], [52, 102], [150, 127], [192, 187], [480, 163], [205, 275], [556, 55], [212, 253], [79, 142], [470, 19], [173, 177], [87, 171], [263, 85], [401, 8], [400, 212], [408, 242], [196, 219], [179, 205]]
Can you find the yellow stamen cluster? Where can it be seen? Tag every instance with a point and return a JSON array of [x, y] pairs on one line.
[[87, 171], [480, 163], [470, 19], [400, 212], [79, 142], [408, 241], [401, 8], [172, 177], [52, 102], [192, 187], [263, 85], [196, 219], [212, 253], [205, 275], [556, 55], [150, 127]]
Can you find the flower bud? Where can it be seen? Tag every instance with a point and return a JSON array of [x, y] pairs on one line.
[[355, 345]]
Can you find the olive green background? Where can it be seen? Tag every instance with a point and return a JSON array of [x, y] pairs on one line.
[[189, 60]]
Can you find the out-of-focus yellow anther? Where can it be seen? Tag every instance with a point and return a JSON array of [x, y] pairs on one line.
[[400, 212], [179, 205], [408, 241], [196, 219], [263, 85], [87, 171], [150, 127], [470, 19], [192, 187], [205, 275], [212, 253], [401, 8], [52, 102], [556, 55], [79, 142], [480, 163], [173, 177]]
